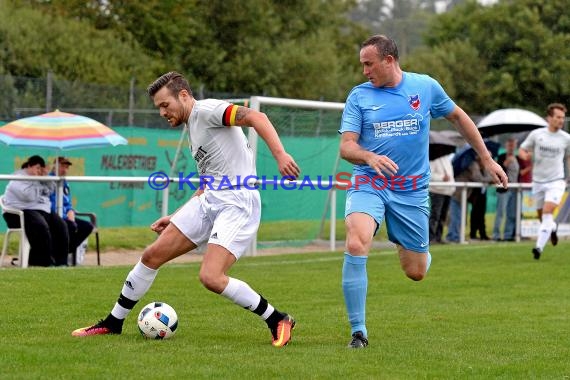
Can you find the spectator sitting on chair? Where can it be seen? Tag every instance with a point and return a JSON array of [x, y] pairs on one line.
[[78, 229], [46, 231]]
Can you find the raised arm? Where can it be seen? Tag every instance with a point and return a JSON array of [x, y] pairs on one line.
[[464, 125]]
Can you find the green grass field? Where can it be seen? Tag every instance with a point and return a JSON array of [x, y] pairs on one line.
[[484, 311], [137, 238], [285, 233]]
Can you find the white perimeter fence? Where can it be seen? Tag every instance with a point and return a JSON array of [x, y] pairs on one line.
[[464, 186]]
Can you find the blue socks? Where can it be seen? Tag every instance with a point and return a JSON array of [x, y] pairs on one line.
[[354, 287]]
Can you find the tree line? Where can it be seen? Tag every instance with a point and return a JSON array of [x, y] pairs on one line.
[[510, 54]]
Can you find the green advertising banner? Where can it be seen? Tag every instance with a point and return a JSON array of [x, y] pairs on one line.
[[153, 150], [116, 203]]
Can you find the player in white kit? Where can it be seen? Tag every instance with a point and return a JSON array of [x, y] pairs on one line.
[[548, 147], [225, 214]]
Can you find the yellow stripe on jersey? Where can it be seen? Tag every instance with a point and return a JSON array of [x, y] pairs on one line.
[[233, 115], [229, 117]]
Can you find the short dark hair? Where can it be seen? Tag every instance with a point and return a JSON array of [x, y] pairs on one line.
[[555, 106], [34, 160], [383, 44], [175, 82]]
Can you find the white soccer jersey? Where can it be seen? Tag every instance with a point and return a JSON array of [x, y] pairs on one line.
[[548, 150], [220, 151]]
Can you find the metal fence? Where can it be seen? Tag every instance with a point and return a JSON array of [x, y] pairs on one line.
[[464, 186], [109, 104], [129, 105]]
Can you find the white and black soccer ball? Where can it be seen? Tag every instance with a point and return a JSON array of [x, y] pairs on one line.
[[157, 320]]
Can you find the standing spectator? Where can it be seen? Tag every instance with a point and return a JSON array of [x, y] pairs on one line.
[[525, 172], [78, 229], [507, 198], [547, 146], [478, 200], [473, 173], [46, 231], [454, 222], [525, 176], [440, 196]]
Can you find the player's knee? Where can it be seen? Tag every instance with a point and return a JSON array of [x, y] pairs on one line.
[[356, 246], [212, 282], [150, 258], [415, 274]]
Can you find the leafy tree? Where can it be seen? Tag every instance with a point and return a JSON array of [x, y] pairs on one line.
[[288, 48], [371, 13], [34, 43], [407, 24], [522, 49], [403, 20], [9, 95], [255, 46], [449, 61]]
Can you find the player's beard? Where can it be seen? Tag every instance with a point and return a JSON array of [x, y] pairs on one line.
[[178, 123], [181, 118]]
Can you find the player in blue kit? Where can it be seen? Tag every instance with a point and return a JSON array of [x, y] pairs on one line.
[[385, 133]]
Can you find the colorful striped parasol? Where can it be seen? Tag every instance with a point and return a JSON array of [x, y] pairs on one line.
[[60, 131]]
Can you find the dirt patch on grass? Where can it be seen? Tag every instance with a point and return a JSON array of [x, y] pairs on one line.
[[128, 257], [113, 258]]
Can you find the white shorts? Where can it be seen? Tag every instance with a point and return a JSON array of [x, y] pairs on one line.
[[229, 218], [548, 192]]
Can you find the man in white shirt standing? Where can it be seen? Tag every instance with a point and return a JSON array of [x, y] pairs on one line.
[[548, 147], [440, 196]]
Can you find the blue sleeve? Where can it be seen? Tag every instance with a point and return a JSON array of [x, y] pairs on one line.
[[66, 206], [441, 103], [352, 115], [53, 201], [66, 200]]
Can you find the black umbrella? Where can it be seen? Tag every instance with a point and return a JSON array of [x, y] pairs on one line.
[[510, 120], [440, 145], [465, 156]]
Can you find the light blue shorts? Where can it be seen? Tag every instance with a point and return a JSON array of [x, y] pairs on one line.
[[406, 213]]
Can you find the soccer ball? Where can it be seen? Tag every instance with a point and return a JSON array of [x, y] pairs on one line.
[[157, 320]]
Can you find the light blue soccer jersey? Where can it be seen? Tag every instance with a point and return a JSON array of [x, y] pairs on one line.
[[395, 122]]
